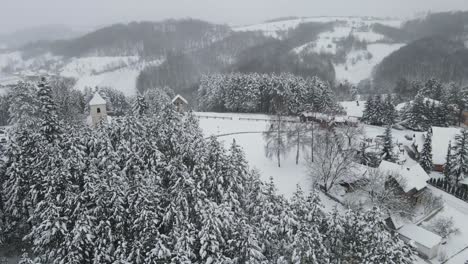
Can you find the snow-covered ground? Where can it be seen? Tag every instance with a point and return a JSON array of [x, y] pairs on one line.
[[274, 29], [359, 63], [354, 108], [123, 80], [78, 67], [119, 72], [456, 243], [290, 174], [358, 67]]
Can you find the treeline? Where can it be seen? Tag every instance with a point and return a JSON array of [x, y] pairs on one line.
[[434, 57], [146, 39], [445, 24], [380, 110], [265, 93], [275, 56], [436, 104], [151, 189], [247, 52]]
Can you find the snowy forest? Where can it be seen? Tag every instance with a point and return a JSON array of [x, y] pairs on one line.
[[234, 132], [151, 189]]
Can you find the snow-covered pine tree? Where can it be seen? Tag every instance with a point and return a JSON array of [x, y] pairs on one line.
[[387, 150], [448, 164], [389, 112], [156, 100], [369, 111], [416, 117], [460, 156], [307, 245], [24, 105], [425, 159], [380, 111], [140, 106], [50, 127]]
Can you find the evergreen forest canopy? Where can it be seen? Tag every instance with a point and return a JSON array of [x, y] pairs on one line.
[[150, 189]]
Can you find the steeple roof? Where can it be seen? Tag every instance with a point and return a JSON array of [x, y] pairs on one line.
[[97, 100]]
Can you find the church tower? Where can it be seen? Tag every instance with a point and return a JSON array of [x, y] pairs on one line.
[[98, 110]]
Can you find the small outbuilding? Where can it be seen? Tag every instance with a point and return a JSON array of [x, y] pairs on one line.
[[426, 243], [180, 103]]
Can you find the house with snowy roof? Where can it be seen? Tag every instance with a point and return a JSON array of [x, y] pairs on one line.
[[180, 103], [441, 136], [412, 179], [426, 243], [97, 110]]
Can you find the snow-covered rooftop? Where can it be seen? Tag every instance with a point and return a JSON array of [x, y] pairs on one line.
[[420, 235], [180, 98], [440, 140], [409, 177], [97, 100], [354, 108]]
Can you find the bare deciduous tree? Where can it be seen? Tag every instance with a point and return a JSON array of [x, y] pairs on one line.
[[443, 226], [332, 161], [353, 135], [276, 139], [297, 137]]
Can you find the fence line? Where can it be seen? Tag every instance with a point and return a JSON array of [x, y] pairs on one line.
[[458, 192], [215, 117], [269, 120]]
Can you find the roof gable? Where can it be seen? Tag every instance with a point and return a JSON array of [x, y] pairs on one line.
[[179, 97], [411, 177]]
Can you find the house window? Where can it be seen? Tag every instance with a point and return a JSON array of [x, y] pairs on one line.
[[98, 110]]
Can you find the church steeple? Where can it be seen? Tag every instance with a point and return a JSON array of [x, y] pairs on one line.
[[98, 110]]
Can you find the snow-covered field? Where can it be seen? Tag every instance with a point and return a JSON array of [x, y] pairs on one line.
[[358, 67], [91, 65], [123, 80], [354, 108], [359, 63], [289, 175], [119, 72], [274, 29]]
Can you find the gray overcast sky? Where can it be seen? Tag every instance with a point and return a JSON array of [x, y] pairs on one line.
[[18, 14]]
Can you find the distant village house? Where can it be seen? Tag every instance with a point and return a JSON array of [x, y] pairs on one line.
[[180, 103]]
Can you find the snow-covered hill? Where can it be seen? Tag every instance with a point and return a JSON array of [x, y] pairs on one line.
[[275, 29], [119, 72], [358, 64]]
